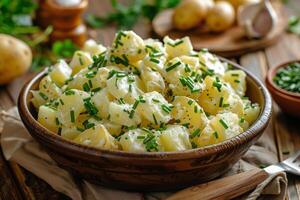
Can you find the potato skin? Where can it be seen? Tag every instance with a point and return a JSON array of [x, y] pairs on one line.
[[15, 58], [189, 14], [220, 17]]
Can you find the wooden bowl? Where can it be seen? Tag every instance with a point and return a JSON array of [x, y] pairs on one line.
[[289, 102], [155, 171]]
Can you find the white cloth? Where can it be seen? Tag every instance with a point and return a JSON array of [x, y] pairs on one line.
[[17, 145]]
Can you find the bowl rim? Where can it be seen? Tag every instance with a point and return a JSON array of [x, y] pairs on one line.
[[253, 131], [272, 72]]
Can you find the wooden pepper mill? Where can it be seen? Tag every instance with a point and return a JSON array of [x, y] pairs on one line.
[[66, 19]]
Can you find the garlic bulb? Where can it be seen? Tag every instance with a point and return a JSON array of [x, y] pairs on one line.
[[68, 3], [257, 19]]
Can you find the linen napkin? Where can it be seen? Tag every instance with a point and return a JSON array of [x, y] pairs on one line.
[[17, 145]]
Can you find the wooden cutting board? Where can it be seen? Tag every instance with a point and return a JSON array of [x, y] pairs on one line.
[[232, 42]]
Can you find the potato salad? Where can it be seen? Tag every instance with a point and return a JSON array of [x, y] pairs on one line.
[[144, 96]]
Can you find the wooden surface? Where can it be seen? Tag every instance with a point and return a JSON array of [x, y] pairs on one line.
[[231, 42], [229, 187], [17, 183]]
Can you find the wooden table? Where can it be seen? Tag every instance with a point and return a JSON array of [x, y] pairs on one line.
[[17, 183]]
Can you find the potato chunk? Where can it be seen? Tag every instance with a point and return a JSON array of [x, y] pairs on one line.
[[188, 112], [47, 116], [175, 138], [60, 72], [97, 137], [178, 47], [237, 80], [79, 61]]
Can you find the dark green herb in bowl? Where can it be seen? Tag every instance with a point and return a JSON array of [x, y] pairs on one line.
[[288, 78]]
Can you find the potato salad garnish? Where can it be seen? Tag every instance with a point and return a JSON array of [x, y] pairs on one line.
[[144, 96]]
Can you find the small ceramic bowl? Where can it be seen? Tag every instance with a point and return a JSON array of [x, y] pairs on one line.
[[153, 171], [289, 102]]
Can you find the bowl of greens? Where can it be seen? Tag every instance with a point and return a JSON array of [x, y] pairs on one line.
[[283, 83]]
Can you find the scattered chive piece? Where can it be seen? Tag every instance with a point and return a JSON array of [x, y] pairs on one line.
[[121, 101], [155, 100], [79, 129], [140, 137], [135, 105], [154, 60], [43, 96], [194, 145], [96, 89], [195, 109], [90, 83], [57, 121], [221, 102], [190, 102], [186, 125], [131, 114], [90, 107], [173, 66], [130, 88], [217, 85], [61, 101], [166, 108], [216, 134], [242, 120], [72, 114], [196, 133], [225, 105], [235, 75], [223, 123], [80, 60], [154, 118], [86, 87], [237, 81], [69, 92]]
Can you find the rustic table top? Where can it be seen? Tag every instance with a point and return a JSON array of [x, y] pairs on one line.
[[18, 183]]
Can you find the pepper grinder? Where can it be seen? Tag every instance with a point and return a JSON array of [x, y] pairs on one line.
[[65, 16]]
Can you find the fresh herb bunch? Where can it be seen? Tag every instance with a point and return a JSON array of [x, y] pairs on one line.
[[126, 16], [16, 17], [288, 78]]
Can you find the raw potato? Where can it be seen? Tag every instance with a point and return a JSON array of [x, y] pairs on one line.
[[220, 17], [15, 58], [189, 14]]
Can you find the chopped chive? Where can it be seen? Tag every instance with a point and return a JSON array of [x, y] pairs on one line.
[[86, 87], [69, 92], [72, 114], [79, 129], [90, 83], [173, 66], [225, 105], [196, 133], [190, 102], [186, 125], [80, 60], [121, 101], [216, 134], [242, 120], [130, 88], [217, 85], [195, 109], [166, 108], [176, 43], [57, 121], [61, 101], [223, 123], [221, 102], [140, 137], [187, 68], [154, 60], [96, 89], [155, 100], [43, 96], [237, 81], [235, 75], [90, 107], [154, 118], [131, 114], [135, 105]]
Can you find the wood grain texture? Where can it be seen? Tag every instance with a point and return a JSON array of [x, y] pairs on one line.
[[225, 188]]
